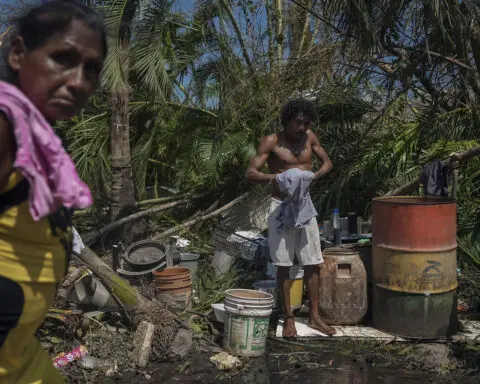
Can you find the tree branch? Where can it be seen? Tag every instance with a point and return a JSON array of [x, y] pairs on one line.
[[412, 185], [191, 223], [239, 36], [92, 237]]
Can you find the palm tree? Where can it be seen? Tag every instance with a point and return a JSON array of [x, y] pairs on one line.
[[140, 58]]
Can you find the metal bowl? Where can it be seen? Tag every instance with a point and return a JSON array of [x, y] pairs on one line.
[[145, 254]]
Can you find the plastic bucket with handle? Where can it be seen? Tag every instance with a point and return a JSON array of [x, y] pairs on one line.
[[247, 315]]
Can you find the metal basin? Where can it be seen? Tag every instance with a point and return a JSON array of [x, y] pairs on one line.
[[144, 255]]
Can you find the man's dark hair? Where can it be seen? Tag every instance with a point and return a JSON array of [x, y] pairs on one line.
[[295, 106]]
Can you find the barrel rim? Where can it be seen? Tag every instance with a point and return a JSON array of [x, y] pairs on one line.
[[417, 292], [410, 200], [171, 272], [449, 248], [340, 251]]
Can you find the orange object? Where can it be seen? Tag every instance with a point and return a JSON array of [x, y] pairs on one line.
[[414, 266], [174, 285], [421, 224]]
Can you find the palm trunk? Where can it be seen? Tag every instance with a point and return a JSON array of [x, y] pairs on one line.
[[122, 193], [271, 52], [240, 38], [314, 34], [280, 33], [305, 32]]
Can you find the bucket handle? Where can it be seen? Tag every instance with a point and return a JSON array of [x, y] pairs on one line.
[[240, 308]]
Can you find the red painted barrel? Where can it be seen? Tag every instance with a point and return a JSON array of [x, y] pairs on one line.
[[415, 223], [414, 266]]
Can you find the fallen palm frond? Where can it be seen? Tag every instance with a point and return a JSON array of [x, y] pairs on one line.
[[200, 219], [470, 247]]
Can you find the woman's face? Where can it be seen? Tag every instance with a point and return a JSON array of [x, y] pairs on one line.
[[59, 76]]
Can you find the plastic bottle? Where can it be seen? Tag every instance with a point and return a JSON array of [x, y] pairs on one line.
[[337, 238], [63, 359], [336, 218], [91, 362]]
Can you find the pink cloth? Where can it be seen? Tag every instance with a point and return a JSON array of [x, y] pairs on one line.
[[41, 158]]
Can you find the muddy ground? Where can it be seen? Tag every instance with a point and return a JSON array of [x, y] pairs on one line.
[[328, 362], [321, 362]]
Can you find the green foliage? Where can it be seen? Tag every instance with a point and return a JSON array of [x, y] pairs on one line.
[[395, 83], [211, 289]]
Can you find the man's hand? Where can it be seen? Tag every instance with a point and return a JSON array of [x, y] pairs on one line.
[[253, 174], [317, 149]]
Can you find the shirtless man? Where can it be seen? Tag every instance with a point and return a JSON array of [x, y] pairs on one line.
[[293, 148]]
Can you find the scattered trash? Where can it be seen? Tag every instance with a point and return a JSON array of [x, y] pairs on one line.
[[89, 290], [462, 306], [143, 343], [94, 363], [182, 342], [181, 242], [64, 359], [78, 244], [225, 362]]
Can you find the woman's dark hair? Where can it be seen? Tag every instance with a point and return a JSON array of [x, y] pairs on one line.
[[295, 106], [41, 23]]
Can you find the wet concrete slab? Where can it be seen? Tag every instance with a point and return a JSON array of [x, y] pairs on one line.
[[470, 332]]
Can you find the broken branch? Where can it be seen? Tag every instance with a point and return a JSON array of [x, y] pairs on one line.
[[90, 239], [190, 223]]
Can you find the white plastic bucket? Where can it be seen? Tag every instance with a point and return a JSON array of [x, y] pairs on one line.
[[247, 315], [219, 310]]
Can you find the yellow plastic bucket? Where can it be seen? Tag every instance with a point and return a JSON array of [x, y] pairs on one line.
[[296, 293]]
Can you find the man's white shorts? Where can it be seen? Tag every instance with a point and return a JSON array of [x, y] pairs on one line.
[[284, 245]]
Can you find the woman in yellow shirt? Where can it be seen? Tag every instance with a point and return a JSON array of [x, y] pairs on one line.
[[55, 59]]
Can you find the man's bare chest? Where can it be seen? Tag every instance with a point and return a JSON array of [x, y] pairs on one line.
[[284, 157]]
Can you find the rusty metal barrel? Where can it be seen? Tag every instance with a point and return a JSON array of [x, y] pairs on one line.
[[414, 266]]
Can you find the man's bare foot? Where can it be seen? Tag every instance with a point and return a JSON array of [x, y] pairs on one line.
[[289, 330], [317, 323]]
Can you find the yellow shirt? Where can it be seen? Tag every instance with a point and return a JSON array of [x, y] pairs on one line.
[[33, 251]]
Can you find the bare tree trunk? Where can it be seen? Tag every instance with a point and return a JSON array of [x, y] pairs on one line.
[[280, 31], [239, 35], [122, 193], [305, 31], [271, 49]]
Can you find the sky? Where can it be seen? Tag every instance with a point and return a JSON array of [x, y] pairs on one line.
[[185, 6]]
